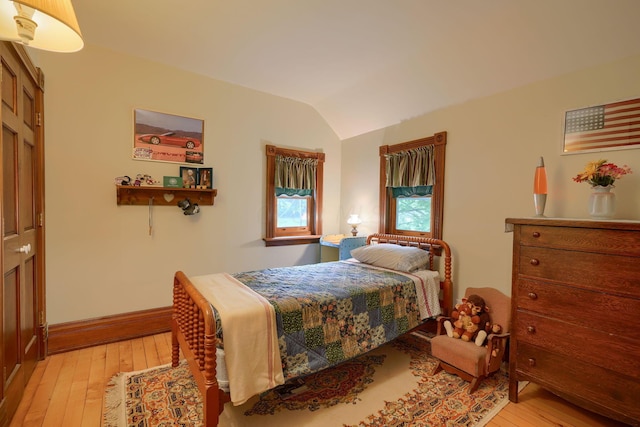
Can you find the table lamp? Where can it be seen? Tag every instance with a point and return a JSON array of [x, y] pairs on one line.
[[540, 188], [354, 222]]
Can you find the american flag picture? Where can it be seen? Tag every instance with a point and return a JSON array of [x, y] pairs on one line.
[[602, 127]]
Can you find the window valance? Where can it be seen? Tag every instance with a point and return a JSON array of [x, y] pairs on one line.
[[295, 173], [411, 168], [419, 191]]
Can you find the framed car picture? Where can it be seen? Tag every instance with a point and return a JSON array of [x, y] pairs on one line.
[[167, 138]]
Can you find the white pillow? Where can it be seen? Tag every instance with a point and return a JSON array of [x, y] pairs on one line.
[[394, 257]]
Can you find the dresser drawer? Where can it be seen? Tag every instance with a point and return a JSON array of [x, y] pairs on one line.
[[589, 309], [619, 353], [598, 272], [596, 386], [582, 239]]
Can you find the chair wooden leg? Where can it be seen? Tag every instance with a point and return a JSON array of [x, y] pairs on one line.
[[437, 369], [475, 383]]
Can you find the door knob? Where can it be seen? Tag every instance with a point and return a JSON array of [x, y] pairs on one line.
[[25, 249]]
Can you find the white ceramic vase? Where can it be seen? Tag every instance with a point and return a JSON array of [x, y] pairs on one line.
[[602, 202]]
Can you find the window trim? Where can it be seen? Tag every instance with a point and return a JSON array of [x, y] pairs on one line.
[[315, 223], [387, 204]]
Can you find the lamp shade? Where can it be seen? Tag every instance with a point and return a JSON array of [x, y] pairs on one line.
[[354, 220], [41, 24], [540, 179]]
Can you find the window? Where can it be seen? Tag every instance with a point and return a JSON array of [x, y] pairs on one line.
[[412, 187], [413, 213], [294, 196], [294, 215]]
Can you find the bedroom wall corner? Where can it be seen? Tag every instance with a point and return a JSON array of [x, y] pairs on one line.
[[101, 260], [493, 145]]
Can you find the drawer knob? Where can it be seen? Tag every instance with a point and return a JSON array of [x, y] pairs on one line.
[[532, 362], [535, 261], [531, 329], [532, 295], [536, 234]]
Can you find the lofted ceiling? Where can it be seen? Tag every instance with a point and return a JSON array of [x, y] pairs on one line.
[[369, 64]]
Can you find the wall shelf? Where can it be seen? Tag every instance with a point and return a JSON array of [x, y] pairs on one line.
[[163, 196]]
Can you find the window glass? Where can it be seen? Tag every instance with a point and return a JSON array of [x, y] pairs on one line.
[[413, 213], [292, 212]]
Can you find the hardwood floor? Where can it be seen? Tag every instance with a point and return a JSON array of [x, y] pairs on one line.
[[67, 389]]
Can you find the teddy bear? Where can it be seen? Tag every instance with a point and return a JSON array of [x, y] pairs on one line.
[[455, 315], [465, 322], [472, 321], [483, 334], [486, 326]]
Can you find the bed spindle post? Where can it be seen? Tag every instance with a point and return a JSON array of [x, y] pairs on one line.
[[175, 346], [201, 341], [193, 328]]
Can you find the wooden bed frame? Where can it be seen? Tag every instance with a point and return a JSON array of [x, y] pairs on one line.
[[193, 327]]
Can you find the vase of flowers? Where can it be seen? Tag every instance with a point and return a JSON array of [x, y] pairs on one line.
[[601, 175]]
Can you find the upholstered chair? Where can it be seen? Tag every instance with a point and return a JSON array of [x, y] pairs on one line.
[[464, 358]]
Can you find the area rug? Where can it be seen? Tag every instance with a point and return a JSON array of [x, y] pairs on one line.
[[391, 386]]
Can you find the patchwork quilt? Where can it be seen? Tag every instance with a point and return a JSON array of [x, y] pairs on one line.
[[330, 312]]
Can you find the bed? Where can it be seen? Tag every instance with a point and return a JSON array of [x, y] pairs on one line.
[[201, 304]]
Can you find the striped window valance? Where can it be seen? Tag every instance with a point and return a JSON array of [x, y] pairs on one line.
[[294, 175], [411, 168]]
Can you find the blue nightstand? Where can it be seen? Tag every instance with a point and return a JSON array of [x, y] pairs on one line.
[[334, 247]]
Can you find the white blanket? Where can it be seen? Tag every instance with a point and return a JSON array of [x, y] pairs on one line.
[[427, 291], [252, 356]]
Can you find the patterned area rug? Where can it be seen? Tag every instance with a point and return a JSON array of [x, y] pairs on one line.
[[390, 386]]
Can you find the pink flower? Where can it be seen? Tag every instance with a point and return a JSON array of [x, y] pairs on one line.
[[601, 173]]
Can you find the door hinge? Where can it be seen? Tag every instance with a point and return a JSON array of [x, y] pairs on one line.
[[41, 219], [38, 118]]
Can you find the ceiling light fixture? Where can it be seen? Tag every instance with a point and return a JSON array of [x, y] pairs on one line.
[[41, 24]]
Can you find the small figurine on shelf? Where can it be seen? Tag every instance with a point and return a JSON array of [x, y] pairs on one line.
[[123, 180], [144, 179], [148, 180]]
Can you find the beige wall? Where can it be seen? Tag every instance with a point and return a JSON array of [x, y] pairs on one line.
[[100, 258], [493, 147]]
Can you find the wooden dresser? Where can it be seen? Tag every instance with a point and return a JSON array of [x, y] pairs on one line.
[[576, 312]]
